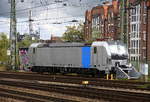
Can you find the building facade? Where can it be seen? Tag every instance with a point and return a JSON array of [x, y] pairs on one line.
[[139, 31], [102, 22], [129, 18]]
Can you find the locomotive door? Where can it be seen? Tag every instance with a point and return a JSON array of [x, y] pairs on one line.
[[99, 57], [95, 57], [33, 56]]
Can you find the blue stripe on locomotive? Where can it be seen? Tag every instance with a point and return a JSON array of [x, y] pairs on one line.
[[86, 57]]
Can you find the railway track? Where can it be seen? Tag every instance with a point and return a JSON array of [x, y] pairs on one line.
[[137, 85], [80, 91], [29, 97]]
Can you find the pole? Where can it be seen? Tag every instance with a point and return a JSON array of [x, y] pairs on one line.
[[127, 24], [147, 33], [13, 37], [30, 23], [122, 19]]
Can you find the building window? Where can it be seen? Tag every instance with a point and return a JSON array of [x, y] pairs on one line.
[[144, 19], [133, 58], [144, 53], [100, 23], [132, 35], [112, 14], [137, 43], [101, 29], [133, 19], [132, 44], [133, 28], [144, 35], [145, 7], [135, 15], [133, 11]]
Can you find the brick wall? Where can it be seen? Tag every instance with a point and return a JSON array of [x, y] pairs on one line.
[[144, 30], [148, 36], [107, 16]]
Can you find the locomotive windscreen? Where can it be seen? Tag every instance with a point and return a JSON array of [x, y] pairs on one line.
[[119, 57], [118, 49]]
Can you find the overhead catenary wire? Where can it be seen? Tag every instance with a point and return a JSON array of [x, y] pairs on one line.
[[44, 23], [35, 7], [46, 6], [45, 19], [26, 9], [47, 11]]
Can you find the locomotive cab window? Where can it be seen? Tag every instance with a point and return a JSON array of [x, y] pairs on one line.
[[33, 50], [95, 50]]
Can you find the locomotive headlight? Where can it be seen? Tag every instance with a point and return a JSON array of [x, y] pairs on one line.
[[130, 65], [85, 82]]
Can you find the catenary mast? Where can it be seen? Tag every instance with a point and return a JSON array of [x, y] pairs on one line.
[[13, 36]]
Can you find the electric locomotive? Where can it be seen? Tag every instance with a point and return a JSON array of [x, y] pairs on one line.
[[101, 56]]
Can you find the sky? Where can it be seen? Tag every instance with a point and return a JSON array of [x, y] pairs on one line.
[[50, 16]]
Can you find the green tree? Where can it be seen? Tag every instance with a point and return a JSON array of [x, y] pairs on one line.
[[26, 41], [4, 44], [74, 34], [96, 34]]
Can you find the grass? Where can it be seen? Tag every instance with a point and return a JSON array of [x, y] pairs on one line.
[[145, 86], [136, 64], [149, 78], [123, 79], [2, 99], [3, 68]]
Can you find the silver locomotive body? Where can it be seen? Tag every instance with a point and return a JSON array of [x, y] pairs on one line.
[[56, 55], [112, 56], [106, 56]]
